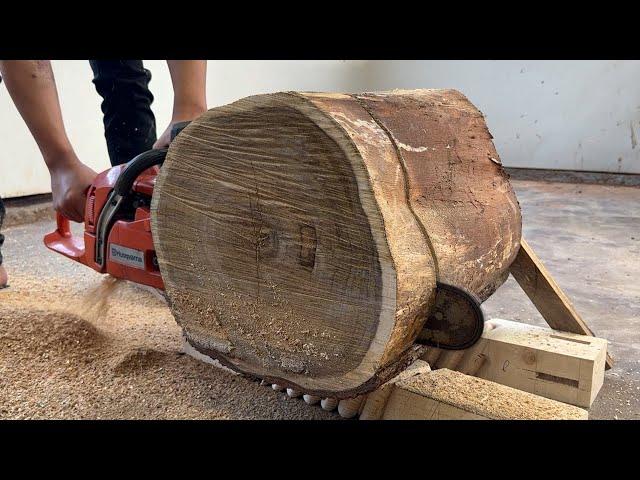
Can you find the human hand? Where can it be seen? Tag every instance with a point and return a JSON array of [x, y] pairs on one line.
[[70, 180], [189, 78], [165, 139]]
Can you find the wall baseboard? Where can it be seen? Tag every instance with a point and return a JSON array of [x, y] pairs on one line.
[[573, 176], [23, 210]]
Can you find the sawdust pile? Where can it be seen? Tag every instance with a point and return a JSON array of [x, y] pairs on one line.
[[109, 349]]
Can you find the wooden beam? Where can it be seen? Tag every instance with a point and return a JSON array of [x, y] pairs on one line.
[[562, 366], [448, 395], [552, 303]]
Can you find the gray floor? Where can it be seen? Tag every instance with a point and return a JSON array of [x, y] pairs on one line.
[[588, 236]]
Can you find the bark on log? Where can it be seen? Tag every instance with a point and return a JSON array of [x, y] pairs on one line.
[[300, 235]]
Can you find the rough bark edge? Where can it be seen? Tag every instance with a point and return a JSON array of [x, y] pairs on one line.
[[400, 334]]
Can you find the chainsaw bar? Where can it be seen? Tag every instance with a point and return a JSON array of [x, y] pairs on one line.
[[456, 320]]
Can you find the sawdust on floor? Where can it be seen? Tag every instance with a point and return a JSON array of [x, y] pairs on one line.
[[111, 350]]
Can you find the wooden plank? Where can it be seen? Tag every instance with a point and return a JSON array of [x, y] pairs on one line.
[[406, 405], [446, 394], [562, 366], [546, 294]]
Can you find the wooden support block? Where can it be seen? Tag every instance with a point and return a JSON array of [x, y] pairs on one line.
[[546, 294], [446, 394], [557, 365], [449, 359]]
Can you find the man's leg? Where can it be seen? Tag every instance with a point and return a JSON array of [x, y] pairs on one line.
[[3, 272], [129, 123]]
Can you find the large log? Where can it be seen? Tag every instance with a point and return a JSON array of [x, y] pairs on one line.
[[300, 235]]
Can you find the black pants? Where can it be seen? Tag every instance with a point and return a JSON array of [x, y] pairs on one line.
[[129, 123]]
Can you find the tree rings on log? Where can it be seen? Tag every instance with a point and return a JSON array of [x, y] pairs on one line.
[[300, 235]]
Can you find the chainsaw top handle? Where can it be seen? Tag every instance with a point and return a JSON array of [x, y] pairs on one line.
[[123, 187], [140, 163], [121, 190], [135, 167]]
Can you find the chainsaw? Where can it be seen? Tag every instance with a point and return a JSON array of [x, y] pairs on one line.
[[117, 222], [118, 241]]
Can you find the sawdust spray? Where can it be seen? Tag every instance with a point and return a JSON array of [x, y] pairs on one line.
[[95, 302]]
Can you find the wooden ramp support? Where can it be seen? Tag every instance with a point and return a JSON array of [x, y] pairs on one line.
[[546, 294], [448, 395], [562, 366]]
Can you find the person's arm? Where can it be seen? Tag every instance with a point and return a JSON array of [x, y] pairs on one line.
[[189, 79], [33, 89]]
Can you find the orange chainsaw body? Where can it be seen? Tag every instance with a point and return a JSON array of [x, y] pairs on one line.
[[130, 253]]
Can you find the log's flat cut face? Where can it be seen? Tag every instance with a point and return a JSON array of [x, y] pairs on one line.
[[267, 253]]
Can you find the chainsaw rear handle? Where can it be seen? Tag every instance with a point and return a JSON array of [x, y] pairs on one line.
[[63, 227], [64, 242]]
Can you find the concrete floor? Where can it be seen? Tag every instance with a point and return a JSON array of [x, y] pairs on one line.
[[588, 236]]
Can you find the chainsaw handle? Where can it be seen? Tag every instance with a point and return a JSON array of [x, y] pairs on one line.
[[63, 241], [63, 226], [142, 162], [135, 167]]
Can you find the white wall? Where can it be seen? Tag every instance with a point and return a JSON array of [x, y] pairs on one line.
[[543, 114], [570, 115]]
